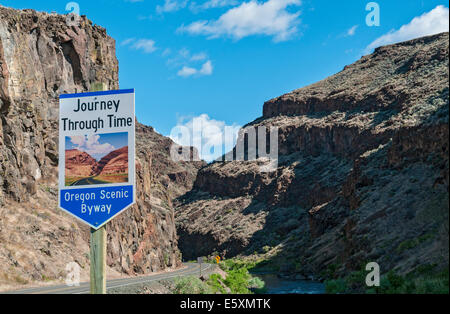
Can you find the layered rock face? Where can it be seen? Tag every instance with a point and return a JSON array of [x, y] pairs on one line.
[[40, 58], [82, 164], [113, 163], [144, 238], [79, 163], [362, 173]]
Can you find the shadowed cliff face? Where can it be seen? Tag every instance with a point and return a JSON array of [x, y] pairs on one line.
[[362, 173], [40, 58]]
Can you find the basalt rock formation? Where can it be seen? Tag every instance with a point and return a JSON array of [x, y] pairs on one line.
[[42, 57], [362, 174]]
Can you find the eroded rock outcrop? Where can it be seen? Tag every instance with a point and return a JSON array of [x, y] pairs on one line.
[[113, 163], [79, 163], [40, 58], [362, 173]]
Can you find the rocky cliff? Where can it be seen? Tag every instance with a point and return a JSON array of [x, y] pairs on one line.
[[362, 173], [114, 162], [40, 58], [79, 163]]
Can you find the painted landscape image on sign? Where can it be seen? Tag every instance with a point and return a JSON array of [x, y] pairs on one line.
[[96, 159]]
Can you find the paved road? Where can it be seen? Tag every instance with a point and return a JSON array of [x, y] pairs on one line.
[[190, 269], [87, 181]]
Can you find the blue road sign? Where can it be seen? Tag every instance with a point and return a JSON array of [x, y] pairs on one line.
[[96, 155]]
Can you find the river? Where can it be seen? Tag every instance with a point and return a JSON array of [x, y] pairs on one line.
[[276, 285]]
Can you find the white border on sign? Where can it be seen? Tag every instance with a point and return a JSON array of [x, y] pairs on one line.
[[131, 155]]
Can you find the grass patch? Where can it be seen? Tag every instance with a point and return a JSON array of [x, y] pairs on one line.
[[412, 243], [70, 180], [423, 280], [20, 280], [254, 266], [336, 286], [191, 285], [237, 281], [257, 285], [215, 281]]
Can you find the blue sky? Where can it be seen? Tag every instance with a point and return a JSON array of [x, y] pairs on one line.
[[221, 59], [98, 145]]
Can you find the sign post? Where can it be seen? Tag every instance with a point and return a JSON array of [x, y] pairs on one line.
[[97, 165], [98, 261], [200, 262]]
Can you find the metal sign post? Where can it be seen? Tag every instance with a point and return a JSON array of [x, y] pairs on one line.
[[200, 262]]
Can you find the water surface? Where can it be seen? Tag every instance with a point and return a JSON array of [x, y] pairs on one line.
[[277, 285]]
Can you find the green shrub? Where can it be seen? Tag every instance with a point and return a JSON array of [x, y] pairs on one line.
[[330, 272], [238, 280], [97, 86], [266, 248], [393, 283], [257, 285], [20, 280], [191, 285], [335, 286], [433, 285], [214, 283], [421, 281], [412, 243]]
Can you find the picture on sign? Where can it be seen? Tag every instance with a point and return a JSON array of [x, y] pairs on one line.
[[96, 159]]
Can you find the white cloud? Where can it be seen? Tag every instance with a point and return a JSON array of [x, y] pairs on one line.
[[78, 140], [92, 146], [190, 63], [211, 4], [128, 41], [186, 71], [171, 6], [145, 17], [211, 137], [199, 56], [166, 52], [180, 58], [206, 69], [183, 52], [270, 18], [147, 45], [433, 22], [176, 5], [352, 30]]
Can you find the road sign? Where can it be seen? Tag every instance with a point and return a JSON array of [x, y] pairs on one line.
[[96, 155]]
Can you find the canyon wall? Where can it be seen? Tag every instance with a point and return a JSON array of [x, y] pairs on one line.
[[362, 173], [40, 58]]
